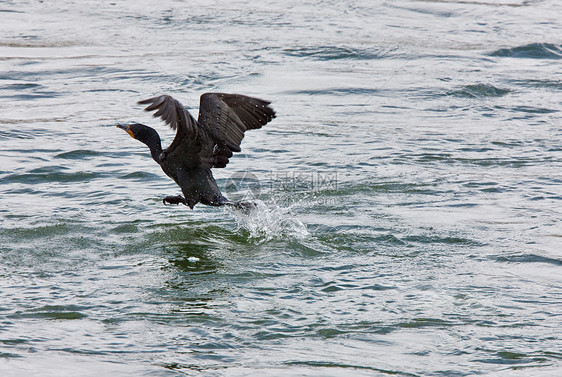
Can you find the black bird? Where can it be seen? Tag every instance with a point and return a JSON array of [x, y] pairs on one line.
[[201, 144]]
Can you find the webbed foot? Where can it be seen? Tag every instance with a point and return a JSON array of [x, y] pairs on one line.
[[176, 199]]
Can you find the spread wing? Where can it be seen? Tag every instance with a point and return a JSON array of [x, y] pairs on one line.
[[211, 140], [184, 147], [225, 118]]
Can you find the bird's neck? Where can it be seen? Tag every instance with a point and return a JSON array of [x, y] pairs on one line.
[[155, 145], [156, 151]]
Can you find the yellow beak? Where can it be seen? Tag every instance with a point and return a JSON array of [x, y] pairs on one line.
[[127, 129]]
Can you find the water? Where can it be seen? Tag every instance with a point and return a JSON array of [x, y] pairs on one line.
[[409, 190]]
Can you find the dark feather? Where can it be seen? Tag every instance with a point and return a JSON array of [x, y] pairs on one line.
[[172, 112], [211, 140], [227, 116]]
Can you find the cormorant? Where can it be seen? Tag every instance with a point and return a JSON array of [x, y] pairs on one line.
[[201, 144]]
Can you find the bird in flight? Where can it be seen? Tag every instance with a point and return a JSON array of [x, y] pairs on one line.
[[202, 144]]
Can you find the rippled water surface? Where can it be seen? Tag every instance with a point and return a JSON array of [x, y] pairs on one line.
[[409, 191]]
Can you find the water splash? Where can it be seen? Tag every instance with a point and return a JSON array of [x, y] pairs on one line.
[[264, 223]]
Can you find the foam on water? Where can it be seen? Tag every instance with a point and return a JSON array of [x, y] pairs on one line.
[[265, 222]]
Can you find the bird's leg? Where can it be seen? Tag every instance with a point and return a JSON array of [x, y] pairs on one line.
[[176, 199]]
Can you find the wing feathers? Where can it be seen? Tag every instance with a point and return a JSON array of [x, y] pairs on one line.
[[172, 112], [227, 116], [219, 130]]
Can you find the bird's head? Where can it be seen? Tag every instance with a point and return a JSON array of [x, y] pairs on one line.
[[135, 130], [148, 136], [140, 132]]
